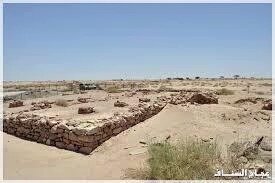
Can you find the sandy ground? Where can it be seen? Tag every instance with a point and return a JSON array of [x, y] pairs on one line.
[[100, 100]]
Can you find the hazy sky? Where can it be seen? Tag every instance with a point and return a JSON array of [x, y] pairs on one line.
[[112, 41]]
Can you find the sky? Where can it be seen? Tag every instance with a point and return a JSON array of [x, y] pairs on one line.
[[136, 41]]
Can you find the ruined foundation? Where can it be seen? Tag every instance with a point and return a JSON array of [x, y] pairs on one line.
[[79, 137]]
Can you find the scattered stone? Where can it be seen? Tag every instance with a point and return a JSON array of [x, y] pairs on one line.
[[72, 123], [41, 105], [193, 97], [252, 100], [142, 142], [266, 144], [144, 100], [267, 106], [82, 100], [130, 94], [85, 110], [178, 99], [120, 104], [162, 99], [16, 103]]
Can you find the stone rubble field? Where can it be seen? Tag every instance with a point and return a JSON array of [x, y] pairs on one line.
[[84, 136], [87, 122]]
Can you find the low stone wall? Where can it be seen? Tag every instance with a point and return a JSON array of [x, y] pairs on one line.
[[67, 135]]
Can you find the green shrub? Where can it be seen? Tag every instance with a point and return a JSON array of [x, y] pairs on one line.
[[184, 161]]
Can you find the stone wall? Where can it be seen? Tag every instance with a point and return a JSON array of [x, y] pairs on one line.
[[76, 137]]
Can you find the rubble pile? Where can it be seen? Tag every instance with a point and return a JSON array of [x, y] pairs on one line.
[[120, 104], [203, 98], [144, 100], [267, 105], [15, 103], [40, 105], [195, 97], [85, 110], [82, 100]]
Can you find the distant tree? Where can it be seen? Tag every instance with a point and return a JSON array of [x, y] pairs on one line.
[[197, 77], [236, 76], [168, 78], [221, 77], [187, 78]]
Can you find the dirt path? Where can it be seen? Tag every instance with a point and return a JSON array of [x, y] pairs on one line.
[[30, 160]]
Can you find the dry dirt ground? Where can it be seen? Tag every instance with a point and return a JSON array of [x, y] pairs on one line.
[[225, 122]]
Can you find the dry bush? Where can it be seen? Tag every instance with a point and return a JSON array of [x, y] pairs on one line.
[[192, 160], [113, 89], [137, 173], [184, 161], [260, 93], [225, 91], [164, 88], [67, 88], [266, 84], [61, 102]]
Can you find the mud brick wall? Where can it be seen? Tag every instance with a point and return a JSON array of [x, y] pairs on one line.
[[64, 135]]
